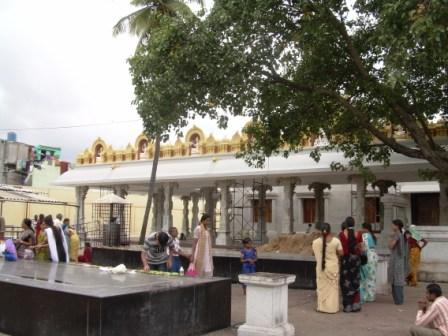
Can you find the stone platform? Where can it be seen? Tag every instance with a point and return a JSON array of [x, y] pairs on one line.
[[42, 298], [226, 263]]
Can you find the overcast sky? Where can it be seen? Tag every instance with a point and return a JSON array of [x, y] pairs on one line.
[[61, 66]]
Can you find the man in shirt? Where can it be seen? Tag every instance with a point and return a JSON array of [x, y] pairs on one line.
[[154, 254], [58, 220], [432, 317]]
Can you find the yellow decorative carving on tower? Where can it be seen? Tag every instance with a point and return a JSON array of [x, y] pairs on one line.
[[196, 143]]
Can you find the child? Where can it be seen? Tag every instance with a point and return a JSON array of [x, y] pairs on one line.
[[177, 251], [248, 258], [308, 229], [87, 256]]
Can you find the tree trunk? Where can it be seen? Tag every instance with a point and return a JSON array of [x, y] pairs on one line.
[[151, 187], [443, 202]]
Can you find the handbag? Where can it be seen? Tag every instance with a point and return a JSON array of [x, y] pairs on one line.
[[191, 271]]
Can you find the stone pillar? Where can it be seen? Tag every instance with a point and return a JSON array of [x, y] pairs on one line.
[[160, 202], [262, 229], [393, 208], [287, 224], [223, 237], [155, 212], [208, 197], [81, 193], [360, 205], [266, 304], [210, 208], [443, 203], [121, 191], [167, 206], [194, 211], [383, 186], [318, 188], [185, 222]]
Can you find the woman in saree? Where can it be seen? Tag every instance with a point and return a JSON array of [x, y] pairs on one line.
[[350, 266], [41, 251], [202, 248], [415, 243], [55, 241], [26, 238], [74, 244], [327, 250], [368, 271]]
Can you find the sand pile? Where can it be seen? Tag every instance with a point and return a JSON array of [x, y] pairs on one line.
[[299, 243]]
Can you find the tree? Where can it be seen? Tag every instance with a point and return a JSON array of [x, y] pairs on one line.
[[148, 23], [347, 69]]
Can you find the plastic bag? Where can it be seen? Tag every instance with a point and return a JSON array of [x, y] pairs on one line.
[[191, 271]]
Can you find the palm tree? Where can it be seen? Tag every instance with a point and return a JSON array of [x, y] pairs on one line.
[[145, 19], [141, 23]]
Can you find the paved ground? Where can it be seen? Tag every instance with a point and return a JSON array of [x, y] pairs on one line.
[[376, 319]]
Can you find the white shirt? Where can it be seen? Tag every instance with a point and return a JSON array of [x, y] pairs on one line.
[[435, 316]]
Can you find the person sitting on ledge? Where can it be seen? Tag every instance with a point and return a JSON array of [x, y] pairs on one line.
[[432, 317], [154, 254]]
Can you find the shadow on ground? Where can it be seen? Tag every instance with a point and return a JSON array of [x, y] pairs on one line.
[[376, 319]]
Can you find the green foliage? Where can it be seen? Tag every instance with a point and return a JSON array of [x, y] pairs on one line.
[[301, 68]]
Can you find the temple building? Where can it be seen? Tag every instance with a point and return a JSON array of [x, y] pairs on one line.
[[283, 197]]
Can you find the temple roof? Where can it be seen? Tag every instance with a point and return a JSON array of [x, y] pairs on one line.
[[206, 170]]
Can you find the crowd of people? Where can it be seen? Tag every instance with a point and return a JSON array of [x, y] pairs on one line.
[[47, 239], [162, 252], [347, 263]]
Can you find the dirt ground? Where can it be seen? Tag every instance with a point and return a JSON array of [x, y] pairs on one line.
[[299, 243], [376, 319]]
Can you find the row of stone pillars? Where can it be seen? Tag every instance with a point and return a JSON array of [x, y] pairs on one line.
[[359, 213], [163, 206]]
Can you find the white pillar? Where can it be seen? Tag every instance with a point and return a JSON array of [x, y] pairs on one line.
[[167, 207], [360, 207], [287, 222], [185, 222], [266, 305], [224, 237], [155, 212], [161, 198], [81, 193], [300, 223], [210, 208], [194, 211]]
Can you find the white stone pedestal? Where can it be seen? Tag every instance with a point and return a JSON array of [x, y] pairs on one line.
[[266, 305], [382, 284]]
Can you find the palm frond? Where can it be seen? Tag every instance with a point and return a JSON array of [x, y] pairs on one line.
[[142, 21], [128, 23]]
